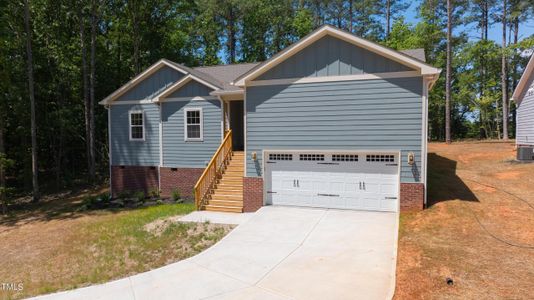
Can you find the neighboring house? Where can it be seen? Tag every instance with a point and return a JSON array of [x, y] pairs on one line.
[[331, 121], [524, 99]]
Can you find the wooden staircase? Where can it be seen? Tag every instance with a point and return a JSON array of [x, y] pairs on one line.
[[227, 194]]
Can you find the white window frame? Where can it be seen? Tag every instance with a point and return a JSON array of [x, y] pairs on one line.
[[130, 125], [201, 138]]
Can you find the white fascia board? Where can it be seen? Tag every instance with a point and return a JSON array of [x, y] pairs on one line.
[[523, 83], [137, 79], [423, 68], [177, 85]]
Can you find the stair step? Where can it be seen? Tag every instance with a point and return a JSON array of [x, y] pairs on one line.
[[226, 197], [229, 189], [231, 203], [223, 208]]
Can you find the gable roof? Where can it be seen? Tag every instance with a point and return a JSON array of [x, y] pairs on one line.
[[201, 77], [402, 58], [525, 82], [227, 73]]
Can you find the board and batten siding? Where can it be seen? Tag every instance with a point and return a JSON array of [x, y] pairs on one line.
[[153, 85], [330, 56], [134, 153], [379, 114], [190, 154], [525, 119]]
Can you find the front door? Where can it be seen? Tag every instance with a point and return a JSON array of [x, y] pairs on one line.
[[236, 124]]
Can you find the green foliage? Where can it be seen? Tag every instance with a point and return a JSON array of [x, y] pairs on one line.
[[175, 195], [153, 193], [139, 196], [125, 194], [303, 22]]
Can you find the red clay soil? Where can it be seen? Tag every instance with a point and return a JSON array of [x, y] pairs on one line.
[[478, 229]]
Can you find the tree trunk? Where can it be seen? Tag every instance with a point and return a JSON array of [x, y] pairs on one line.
[[448, 75], [351, 15], [388, 18], [504, 76], [92, 94], [3, 196], [85, 91], [231, 34], [136, 40], [35, 168]]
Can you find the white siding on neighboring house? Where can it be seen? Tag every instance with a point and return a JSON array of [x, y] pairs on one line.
[[525, 119]]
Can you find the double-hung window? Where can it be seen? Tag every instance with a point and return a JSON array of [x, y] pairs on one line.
[[137, 125], [193, 124]]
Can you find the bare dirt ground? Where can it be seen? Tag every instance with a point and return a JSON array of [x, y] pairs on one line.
[[478, 229]]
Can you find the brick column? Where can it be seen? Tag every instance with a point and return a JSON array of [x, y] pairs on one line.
[[412, 196], [252, 193]]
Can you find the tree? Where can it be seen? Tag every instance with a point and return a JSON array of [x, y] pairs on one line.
[[504, 73], [85, 92], [92, 91], [391, 8], [448, 74], [29, 54]]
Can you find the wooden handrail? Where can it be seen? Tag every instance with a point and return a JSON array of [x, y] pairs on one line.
[[213, 170]]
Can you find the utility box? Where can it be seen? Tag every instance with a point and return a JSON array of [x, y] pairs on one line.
[[525, 153]]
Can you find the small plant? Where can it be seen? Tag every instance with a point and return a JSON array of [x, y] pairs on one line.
[[154, 193], [124, 195], [159, 202], [139, 196], [175, 195]]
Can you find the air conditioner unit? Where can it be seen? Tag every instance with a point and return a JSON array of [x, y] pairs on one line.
[[525, 153]]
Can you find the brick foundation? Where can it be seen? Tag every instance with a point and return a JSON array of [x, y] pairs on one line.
[[182, 179], [412, 196], [252, 193], [133, 179]]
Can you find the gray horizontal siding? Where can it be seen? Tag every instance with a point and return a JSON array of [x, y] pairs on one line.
[[383, 114], [330, 56], [176, 151], [525, 120], [134, 153], [153, 85], [191, 89]]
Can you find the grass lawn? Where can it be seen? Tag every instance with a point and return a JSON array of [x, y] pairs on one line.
[[55, 247], [480, 203]]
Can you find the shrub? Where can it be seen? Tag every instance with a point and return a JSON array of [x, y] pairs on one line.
[[159, 201], [139, 196], [175, 195], [153, 193], [124, 195]]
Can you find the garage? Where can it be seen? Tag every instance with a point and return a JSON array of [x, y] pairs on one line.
[[333, 179]]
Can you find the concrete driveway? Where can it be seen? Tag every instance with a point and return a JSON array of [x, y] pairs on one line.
[[279, 253]]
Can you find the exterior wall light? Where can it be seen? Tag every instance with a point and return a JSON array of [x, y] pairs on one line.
[[253, 154], [411, 158]]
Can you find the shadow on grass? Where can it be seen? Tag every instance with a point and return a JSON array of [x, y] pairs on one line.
[[443, 183], [58, 206]]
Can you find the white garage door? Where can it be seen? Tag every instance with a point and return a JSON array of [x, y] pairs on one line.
[[365, 181]]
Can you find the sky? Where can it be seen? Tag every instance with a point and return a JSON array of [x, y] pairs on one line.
[[526, 29]]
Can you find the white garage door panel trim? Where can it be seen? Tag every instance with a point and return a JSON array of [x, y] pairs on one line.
[[333, 183]]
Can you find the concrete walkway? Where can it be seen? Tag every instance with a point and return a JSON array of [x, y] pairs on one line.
[[279, 253]]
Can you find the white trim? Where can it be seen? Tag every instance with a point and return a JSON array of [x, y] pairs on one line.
[[222, 118], [133, 82], [225, 93], [196, 98], [334, 78], [348, 37], [245, 134], [179, 84], [424, 141], [523, 85], [109, 151], [201, 138], [137, 111], [160, 136]]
